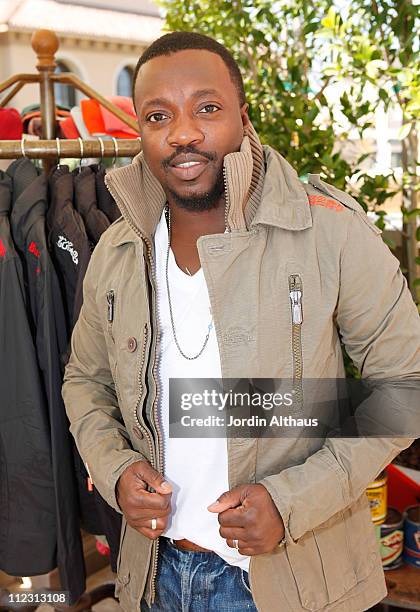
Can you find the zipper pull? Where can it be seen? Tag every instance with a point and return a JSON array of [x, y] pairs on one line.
[[89, 479], [295, 293], [110, 300], [296, 300]]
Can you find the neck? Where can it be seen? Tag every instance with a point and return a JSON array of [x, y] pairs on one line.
[[187, 226]]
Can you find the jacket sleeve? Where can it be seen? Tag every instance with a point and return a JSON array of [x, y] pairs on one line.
[[89, 395], [380, 327]]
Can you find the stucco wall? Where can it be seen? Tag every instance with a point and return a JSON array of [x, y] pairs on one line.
[[96, 63]]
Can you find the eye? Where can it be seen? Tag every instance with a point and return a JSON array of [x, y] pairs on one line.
[[156, 117], [209, 109]]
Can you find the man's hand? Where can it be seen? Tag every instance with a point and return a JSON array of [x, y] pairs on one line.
[[139, 505], [248, 514]]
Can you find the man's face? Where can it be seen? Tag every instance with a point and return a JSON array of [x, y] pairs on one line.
[[190, 118]]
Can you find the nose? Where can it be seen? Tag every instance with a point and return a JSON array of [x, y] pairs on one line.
[[185, 131]]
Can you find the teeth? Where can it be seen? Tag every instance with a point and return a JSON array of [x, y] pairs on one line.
[[187, 164]]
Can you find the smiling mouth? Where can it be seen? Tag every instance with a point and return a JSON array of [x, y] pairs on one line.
[[188, 170]]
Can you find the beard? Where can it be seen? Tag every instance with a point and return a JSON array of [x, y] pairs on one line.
[[200, 202]]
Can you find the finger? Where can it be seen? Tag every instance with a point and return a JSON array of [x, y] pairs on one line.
[[152, 477], [149, 501], [248, 551], [236, 543], [152, 534], [147, 523], [229, 499], [233, 518], [243, 548], [233, 534], [147, 514]]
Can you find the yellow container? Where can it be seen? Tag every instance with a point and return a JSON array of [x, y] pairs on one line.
[[377, 496]]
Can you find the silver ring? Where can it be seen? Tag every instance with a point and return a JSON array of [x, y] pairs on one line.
[[154, 524], [236, 544]]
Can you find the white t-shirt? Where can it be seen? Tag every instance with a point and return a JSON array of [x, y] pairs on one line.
[[197, 468]]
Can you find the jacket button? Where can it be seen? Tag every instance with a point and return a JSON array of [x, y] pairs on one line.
[[138, 432], [132, 344]]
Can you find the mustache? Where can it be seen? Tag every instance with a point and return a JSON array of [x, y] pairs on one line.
[[210, 155]]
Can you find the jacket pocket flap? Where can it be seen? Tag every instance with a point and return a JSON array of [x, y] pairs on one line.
[[322, 565]]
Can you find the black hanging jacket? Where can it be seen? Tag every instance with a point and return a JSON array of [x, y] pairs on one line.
[[68, 241], [28, 530], [29, 235], [69, 246], [96, 222], [105, 201]]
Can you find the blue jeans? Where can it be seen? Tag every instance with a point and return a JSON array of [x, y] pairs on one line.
[[198, 582]]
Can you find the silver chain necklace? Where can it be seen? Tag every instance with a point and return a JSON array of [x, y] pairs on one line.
[[210, 325]]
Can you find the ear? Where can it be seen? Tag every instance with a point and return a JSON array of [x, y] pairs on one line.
[[244, 115]]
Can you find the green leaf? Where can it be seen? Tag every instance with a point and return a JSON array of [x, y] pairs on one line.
[[413, 213], [404, 131], [310, 27]]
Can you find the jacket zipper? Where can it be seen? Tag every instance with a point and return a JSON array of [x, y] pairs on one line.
[[226, 198], [110, 298], [140, 387], [160, 462], [158, 465], [295, 295]]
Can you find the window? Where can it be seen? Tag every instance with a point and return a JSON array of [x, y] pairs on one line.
[[64, 94], [125, 81]]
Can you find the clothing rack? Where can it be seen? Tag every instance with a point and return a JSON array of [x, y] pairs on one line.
[[50, 149], [45, 44], [60, 148]]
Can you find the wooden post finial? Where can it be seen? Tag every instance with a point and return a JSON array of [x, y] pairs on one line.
[[45, 44]]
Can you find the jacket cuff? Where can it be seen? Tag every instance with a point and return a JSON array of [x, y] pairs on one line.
[[282, 507], [105, 470], [115, 475], [319, 480]]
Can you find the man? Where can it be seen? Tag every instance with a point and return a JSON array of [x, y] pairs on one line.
[[225, 264]]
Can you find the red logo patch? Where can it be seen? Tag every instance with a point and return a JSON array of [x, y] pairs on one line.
[[318, 200], [34, 249], [2, 249]]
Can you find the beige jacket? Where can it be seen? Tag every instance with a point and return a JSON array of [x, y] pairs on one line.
[[279, 227]]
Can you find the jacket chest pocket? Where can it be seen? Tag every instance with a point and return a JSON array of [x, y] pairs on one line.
[[127, 340]]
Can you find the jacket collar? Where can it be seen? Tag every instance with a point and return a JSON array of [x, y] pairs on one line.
[[284, 202], [30, 191], [261, 187]]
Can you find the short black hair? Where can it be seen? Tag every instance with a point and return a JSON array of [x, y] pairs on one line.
[[181, 41]]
